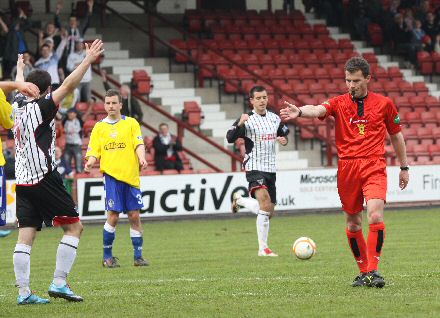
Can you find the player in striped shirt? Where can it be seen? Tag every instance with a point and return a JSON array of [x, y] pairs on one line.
[[6, 121], [261, 129], [40, 192]]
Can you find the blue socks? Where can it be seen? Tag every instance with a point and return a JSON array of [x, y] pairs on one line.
[[108, 238], [137, 241]]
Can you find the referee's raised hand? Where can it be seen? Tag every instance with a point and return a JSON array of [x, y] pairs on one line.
[[94, 50], [290, 112]]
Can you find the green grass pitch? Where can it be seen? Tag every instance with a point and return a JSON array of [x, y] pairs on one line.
[[210, 268]]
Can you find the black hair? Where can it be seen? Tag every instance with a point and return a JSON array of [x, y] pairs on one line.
[[358, 63], [256, 89], [40, 78]]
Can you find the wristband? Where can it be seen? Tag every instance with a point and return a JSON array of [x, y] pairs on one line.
[[406, 168], [300, 112]]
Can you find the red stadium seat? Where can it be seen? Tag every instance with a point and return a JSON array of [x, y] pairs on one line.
[[432, 102], [420, 87], [425, 62]]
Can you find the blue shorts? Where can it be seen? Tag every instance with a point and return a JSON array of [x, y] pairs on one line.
[[2, 196], [120, 196]]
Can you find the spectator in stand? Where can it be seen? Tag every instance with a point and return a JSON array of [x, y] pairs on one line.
[[15, 41], [288, 5], [73, 126], [9, 155], [74, 59], [75, 31], [49, 59], [166, 148], [437, 44], [3, 32], [357, 15], [64, 169], [130, 106], [401, 34], [417, 39], [51, 32], [430, 27], [394, 7], [422, 10], [409, 18], [28, 66]]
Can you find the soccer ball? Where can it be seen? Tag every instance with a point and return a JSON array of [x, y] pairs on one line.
[[304, 248]]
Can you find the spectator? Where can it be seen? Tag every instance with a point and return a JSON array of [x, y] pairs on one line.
[[15, 42], [417, 36], [75, 58], [49, 59], [28, 66], [51, 32], [64, 169], [409, 18], [166, 147], [10, 162], [75, 31], [3, 32], [401, 34], [430, 27], [73, 130], [437, 44], [422, 11], [68, 102], [130, 106]]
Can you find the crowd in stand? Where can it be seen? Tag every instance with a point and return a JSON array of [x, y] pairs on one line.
[[407, 26]]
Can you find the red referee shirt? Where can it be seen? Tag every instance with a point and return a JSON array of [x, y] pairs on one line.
[[361, 137]]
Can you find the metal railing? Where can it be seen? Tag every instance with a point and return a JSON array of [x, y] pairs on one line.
[[181, 127], [150, 32]]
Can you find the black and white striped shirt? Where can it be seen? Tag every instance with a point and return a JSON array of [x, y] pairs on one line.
[[35, 134], [260, 134]]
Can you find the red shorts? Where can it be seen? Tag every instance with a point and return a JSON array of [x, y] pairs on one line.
[[359, 179]]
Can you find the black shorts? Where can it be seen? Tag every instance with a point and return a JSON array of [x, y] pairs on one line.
[[47, 201], [260, 179]]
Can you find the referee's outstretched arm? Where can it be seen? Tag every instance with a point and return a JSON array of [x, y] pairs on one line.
[[73, 80]]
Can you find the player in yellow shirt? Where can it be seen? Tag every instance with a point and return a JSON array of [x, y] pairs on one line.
[[7, 121], [117, 141]]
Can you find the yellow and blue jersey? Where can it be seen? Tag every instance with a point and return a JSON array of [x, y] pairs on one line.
[[115, 145], [6, 120]]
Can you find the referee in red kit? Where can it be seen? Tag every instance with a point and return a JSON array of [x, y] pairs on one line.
[[362, 119]]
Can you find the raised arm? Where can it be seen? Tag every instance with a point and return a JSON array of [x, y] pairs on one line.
[[307, 111], [73, 80], [25, 88], [237, 129], [20, 69]]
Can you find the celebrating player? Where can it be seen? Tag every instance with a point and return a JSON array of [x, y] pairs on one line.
[[260, 129], [6, 121], [362, 120], [118, 142], [41, 195]]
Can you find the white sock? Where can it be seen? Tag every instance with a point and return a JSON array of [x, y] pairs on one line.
[[66, 255], [109, 228], [249, 203], [134, 233], [262, 229], [22, 268]]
